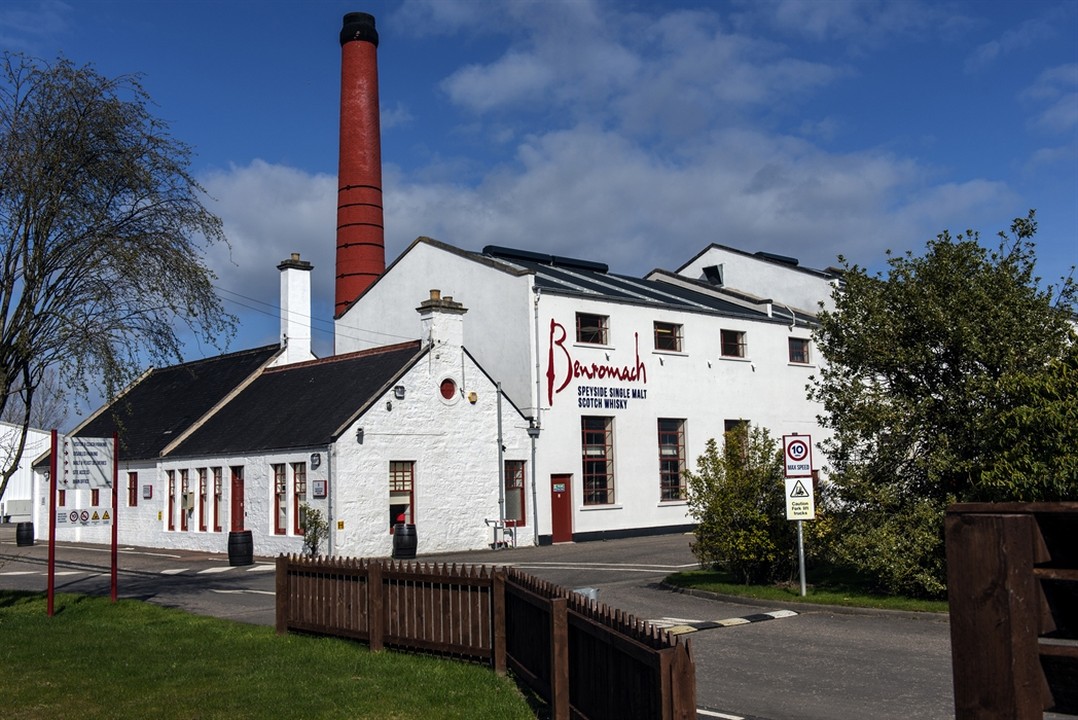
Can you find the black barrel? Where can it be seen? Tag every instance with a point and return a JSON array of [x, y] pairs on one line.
[[24, 534], [404, 541], [241, 548]]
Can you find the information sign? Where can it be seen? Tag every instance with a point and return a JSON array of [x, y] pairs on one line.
[[86, 462]]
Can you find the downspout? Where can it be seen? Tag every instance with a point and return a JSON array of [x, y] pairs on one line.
[[501, 465], [536, 425], [331, 504]]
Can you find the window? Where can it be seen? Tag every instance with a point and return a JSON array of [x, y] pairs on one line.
[[671, 459], [280, 500], [61, 497], [171, 474], [667, 336], [132, 489], [218, 498], [202, 499], [598, 457], [733, 343], [514, 493], [591, 328], [448, 389], [401, 492], [299, 493], [95, 497], [799, 351], [185, 502]]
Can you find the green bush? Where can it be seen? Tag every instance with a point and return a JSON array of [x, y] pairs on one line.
[[737, 499]]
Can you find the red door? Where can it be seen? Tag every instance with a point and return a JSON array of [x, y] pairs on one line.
[[561, 508], [237, 499]]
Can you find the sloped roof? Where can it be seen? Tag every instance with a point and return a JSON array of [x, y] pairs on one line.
[[299, 405], [155, 410], [583, 278]]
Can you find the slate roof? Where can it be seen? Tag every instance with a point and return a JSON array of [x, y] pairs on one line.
[[156, 409], [583, 278], [300, 405]]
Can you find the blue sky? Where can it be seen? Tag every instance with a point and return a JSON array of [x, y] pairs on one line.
[[634, 133]]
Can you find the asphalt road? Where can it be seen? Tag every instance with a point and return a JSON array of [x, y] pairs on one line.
[[816, 664]]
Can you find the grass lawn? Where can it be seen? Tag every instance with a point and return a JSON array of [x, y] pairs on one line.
[[95, 659], [825, 586]]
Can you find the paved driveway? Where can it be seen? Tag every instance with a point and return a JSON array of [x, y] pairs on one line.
[[815, 664]]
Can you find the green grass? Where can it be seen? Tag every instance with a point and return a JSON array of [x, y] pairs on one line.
[[131, 659], [824, 586]]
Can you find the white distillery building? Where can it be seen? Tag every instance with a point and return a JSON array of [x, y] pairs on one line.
[[623, 379], [414, 432], [18, 501]]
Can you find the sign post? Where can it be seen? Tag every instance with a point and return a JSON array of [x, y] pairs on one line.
[[800, 501]]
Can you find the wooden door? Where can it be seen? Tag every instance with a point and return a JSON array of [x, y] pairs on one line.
[[561, 508], [237, 499]]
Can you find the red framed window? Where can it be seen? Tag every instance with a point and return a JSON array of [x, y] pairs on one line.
[[799, 351], [667, 336], [733, 343], [95, 497], [218, 498], [597, 446], [514, 493], [299, 494], [202, 498], [280, 500], [401, 492], [171, 474], [132, 489], [61, 497], [592, 329], [185, 498], [671, 459]]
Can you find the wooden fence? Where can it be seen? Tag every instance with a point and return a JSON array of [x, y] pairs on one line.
[[1012, 584], [584, 659]]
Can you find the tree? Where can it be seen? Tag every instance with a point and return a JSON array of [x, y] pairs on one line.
[[101, 235], [737, 499], [315, 528], [925, 370]]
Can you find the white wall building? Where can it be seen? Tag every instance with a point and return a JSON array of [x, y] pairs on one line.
[[627, 378], [17, 504], [416, 431]]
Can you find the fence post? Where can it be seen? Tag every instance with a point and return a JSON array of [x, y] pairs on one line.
[[282, 598], [684, 682], [375, 616], [993, 604], [497, 590], [559, 659]]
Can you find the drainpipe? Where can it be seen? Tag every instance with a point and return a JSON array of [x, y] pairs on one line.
[[536, 423], [501, 466], [330, 502]]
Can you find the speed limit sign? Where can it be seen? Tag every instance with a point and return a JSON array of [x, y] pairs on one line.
[[797, 455]]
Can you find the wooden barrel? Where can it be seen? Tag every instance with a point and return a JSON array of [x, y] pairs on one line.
[[24, 534], [241, 549], [404, 541]]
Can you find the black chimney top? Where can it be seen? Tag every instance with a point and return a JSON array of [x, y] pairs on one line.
[[359, 26]]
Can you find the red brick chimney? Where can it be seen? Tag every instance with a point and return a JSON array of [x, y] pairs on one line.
[[361, 255]]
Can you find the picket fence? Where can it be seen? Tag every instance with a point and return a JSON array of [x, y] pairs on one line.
[[583, 658]]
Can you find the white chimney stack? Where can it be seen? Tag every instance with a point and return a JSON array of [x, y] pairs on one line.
[[295, 311], [441, 320]]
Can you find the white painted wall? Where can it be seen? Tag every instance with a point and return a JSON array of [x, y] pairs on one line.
[[17, 502], [498, 319], [696, 385], [795, 287]]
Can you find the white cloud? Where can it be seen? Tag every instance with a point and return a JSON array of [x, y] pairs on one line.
[[514, 78]]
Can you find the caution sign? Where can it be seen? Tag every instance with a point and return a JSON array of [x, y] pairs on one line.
[[800, 501]]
